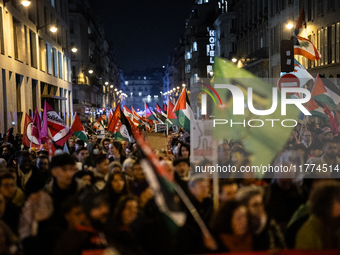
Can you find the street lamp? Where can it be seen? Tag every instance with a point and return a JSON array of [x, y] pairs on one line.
[[53, 29], [106, 83], [90, 71], [289, 25], [115, 89], [111, 86], [234, 60], [177, 87], [74, 49], [26, 3], [183, 85]]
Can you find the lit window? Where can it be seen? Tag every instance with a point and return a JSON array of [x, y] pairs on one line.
[[188, 69], [144, 78], [140, 94], [126, 83], [188, 55], [194, 45], [155, 96], [131, 94], [206, 1]]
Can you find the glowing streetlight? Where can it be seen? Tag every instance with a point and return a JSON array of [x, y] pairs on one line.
[[234, 60], [53, 29], [91, 71], [106, 83], [74, 49], [26, 3], [177, 87], [183, 85], [289, 26], [111, 86], [115, 89]]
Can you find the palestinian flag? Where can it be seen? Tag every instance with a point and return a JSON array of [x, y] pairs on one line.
[[149, 114], [326, 92], [183, 111], [316, 109], [36, 126], [123, 129], [57, 130], [306, 48], [301, 73], [78, 129], [28, 139]]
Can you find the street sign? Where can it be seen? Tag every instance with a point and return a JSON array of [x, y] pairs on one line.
[[288, 81], [161, 128]]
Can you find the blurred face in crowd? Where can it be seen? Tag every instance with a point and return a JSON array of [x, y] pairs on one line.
[[71, 142], [200, 190], [64, 175], [130, 212], [125, 145], [315, 152], [82, 154], [42, 164], [256, 206], [75, 217], [239, 221], [106, 145], [100, 213], [228, 192], [185, 152], [8, 188], [2, 206], [330, 150], [182, 169], [224, 152], [307, 136], [87, 179], [5, 151], [138, 172], [25, 163], [117, 183], [94, 139], [329, 136], [103, 167]]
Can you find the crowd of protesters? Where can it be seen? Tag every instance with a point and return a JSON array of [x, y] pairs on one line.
[[95, 199]]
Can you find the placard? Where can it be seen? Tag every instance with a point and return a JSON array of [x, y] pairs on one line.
[[161, 128], [174, 128]]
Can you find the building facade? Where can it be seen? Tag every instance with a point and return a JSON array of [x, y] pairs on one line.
[[34, 61], [98, 81], [143, 87]]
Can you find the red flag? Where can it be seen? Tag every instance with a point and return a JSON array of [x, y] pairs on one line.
[[165, 108], [115, 117], [300, 22], [27, 139], [158, 108], [171, 114], [334, 124], [148, 113], [57, 130], [51, 149], [36, 128]]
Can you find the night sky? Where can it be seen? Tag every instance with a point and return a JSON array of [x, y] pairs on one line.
[[143, 33]]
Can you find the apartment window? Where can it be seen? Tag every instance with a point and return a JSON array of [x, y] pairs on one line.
[[2, 46], [54, 62], [53, 3], [188, 69], [4, 93], [69, 70], [187, 55], [60, 63], [206, 1], [194, 46], [16, 37], [33, 49], [34, 93], [26, 45], [319, 8], [310, 10], [330, 6], [49, 58], [337, 49], [140, 94]]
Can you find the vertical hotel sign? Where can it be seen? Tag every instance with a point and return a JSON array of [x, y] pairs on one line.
[[212, 40]]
